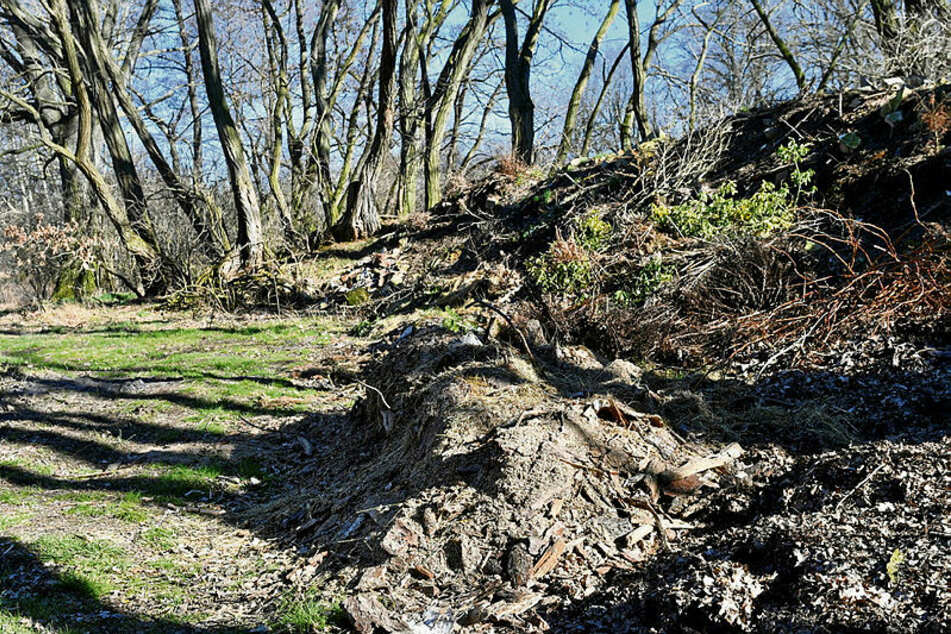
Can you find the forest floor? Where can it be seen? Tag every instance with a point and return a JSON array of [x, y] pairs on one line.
[[149, 459], [132, 444]]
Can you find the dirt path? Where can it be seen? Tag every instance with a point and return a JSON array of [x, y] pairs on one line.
[[136, 447]]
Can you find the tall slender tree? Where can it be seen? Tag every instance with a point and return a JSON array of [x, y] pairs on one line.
[[518, 71], [250, 242]]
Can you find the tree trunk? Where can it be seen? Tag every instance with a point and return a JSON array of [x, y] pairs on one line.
[[143, 252], [362, 217], [518, 69], [593, 116], [86, 24], [784, 51], [637, 106], [250, 239], [409, 115], [571, 115], [441, 102]]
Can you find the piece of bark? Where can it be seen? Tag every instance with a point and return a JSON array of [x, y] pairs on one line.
[[549, 559], [522, 603], [519, 564], [368, 615]]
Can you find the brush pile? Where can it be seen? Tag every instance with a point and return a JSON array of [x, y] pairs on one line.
[[783, 282]]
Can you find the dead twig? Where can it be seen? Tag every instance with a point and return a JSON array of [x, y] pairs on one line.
[[528, 348], [382, 398], [858, 486]]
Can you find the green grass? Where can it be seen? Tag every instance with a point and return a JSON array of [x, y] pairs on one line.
[[308, 613], [128, 509], [12, 623], [34, 467], [181, 352], [159, 538], [179, 480], [90, 566], [17, 497], [11, 520]]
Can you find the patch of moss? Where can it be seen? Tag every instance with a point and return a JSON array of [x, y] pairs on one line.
[[357, 296]]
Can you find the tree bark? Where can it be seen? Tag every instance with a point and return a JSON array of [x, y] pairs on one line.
[[571, 115], [362, 217], [784, 51], [518, 69], [637, 106], [443, 97], [144, 252], [250, 242], [85, 15]]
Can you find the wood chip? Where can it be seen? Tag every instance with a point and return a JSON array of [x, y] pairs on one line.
[[549, 559]]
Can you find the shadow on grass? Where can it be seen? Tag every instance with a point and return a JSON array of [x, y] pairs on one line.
[[30, 589]]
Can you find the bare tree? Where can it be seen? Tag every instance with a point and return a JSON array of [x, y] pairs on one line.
[[250, 241], [440, 102], [571, 115], [518, 68], [781, 45], [362, 217]]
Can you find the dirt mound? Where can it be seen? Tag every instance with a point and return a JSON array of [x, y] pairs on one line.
[[498, 475], [855, 540], [482, 485], [777, 238]]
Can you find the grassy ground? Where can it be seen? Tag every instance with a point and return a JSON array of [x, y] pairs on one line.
[[134, 444]]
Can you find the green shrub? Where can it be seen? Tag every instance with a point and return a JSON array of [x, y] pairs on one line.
[[769, 210], [592, 231], [765, 212], [646, 282], [456, 323], [566, 268]]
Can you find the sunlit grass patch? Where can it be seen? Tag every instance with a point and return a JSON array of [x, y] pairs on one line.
[[160, 537], [13, 623], [181, 352], [17, 497], [308, 613], [180, 480], [128, 509], [35, 468], [12, 520], [89, 566]]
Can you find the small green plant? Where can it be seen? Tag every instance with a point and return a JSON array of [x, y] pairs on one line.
[[767, 211], [894, 562], [308, 613], [362, 329], [566, 268], [592, 231], [795, 153], [762, 214], [648, 280], [545, 197], [456, 323], [159, 538]]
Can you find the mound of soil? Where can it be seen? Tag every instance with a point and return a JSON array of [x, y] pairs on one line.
[[483, 484]]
